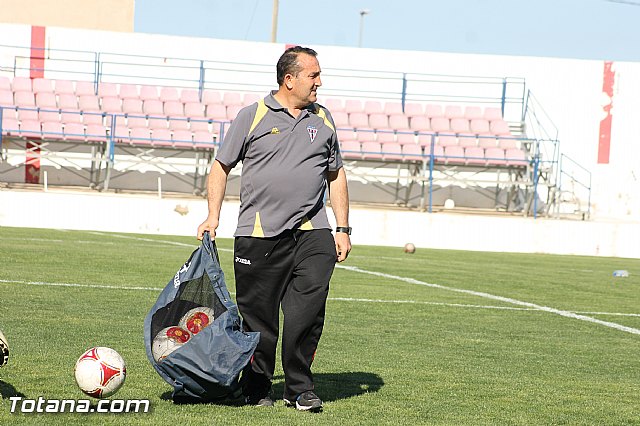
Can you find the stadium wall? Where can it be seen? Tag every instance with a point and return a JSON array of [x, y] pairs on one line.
[[146, 214]]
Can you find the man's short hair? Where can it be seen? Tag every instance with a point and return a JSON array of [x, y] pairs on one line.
[[288, 62]]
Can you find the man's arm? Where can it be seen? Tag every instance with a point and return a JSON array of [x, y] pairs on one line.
[[216, 187], [339, 196]]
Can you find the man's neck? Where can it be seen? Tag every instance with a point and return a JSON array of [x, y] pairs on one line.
[[287, 102]]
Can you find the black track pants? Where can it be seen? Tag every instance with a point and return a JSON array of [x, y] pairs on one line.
[[291, 271]]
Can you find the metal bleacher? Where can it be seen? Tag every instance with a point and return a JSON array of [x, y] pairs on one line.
[[115, 123]]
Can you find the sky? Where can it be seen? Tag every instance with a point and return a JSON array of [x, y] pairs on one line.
[[584, 29]]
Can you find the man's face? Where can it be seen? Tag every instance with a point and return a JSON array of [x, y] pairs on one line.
[[306, 83]]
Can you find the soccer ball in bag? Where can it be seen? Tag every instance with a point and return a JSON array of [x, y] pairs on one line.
[[196, 319], [100, 372], [168, 340], [4, 350]]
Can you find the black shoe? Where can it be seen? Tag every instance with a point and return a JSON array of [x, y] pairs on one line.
[[264, 401], [306, 401]]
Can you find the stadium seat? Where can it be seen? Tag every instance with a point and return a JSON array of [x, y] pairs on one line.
[[353, 106], [140, 136], [92, 117], [21, 84], [406, 137], [5, 83], [393, 109], [24, 99], [345, 135], [46, 100], [132, 106], [6, 98], [399, 122], [371, 151], [168, 94], [495, 156], [433, 111], [199, 125], [365, 135], [157, 123], [64, 87], [182, 138], [42, 85], [232, 99], [350, 150], [391, 151], [516, 157], [10, 125], [492, 113], [232, 111], [161, 137], [136, 121], [378, 121], [52, 130], [440, 125], [459, 125], [479, 126], [189, 95], [112, 105], [412, 109], [472, 113], [438, 152], [358, 120], [153, 107], [69, 116], [487, 141], [447, 140], [373, 107], [425, 139], [211, 97], [216, 112], [107, 90], [129, 91], [499, 128], [203, 139], [194, 110], [49, 115], [467, 140], [412, 152], [334, 105], [454, 154], [420, 124], [67, 101], [88, 103], [28, 114], [85, 88], [96, 133], [507, 143], [475, 155], [178, 123], [149, 93], [340, 118], [74, 131], [250, 98], [30, 128], [453, 111], [385, 136]]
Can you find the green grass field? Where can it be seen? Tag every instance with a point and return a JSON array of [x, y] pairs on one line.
[[560, 347]]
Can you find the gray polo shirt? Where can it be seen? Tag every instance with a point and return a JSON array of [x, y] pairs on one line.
[[285, 161]]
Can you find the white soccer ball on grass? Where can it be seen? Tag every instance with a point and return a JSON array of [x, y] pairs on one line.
[[100, 372]]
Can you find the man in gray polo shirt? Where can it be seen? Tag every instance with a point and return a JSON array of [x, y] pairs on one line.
[[284, 250]]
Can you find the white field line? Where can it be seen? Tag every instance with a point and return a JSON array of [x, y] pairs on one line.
[[567, 314]]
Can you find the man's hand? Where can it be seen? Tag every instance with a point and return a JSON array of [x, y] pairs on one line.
[[208, 225], [343, 245]]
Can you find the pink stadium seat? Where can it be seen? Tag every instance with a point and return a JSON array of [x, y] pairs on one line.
[[495, 156], [507, 143], [64, 87], [453, 111], [440, 124], [203, 138], [425, 139], [74, 131], [447, 140], [89, 103], [487, 141], [5, 83], [492, 113], [149, 93], [107, 89], [454, 154], [459, 125], [128, 91], [42, 85], [438, 151], [85, 88], [153, 107], [24, 99], [411, 152], [472, 113], [516, 157], [96, 133], [340, 118], [391, 151], [140, 136], [232, 111], [406, 138], [385, 136], [121, 133], [479, 126], [169, 94], [393, 108], [499, 128], [373, 107], [197, 125], [157, 123], [412, 109], [132, 106], [71, 116], [21, 84], [177, 123], [334, 105], [48, 115], [161, 137], [136, 121], [28, 114], [475, 155], [30, 128], [399, 122], [211, 97], [467, 140], [52, 130], [112, 105], [358, 120], [353, 106], [10, 125], [371, 151], [232, 99], [345, 135], [6, 98], [250, 98], [182, 138], [189, 95], [379, 121], [420, 124], [433, 111], [217, 111], [91, 117], [67, 101], [365, 135], [194, 109], [350, 150], [46, 100]]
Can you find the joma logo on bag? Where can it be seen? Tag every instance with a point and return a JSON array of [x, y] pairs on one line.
[[243, 261], [176, 279]]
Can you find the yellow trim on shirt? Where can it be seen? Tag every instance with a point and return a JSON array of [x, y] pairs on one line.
[[306, 224], [257, 227], [323, 115], [260, 113]]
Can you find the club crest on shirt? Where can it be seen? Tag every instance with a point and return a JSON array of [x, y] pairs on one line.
[[312, 132]]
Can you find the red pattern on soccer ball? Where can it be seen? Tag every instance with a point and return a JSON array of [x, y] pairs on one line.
[[197, 322], [178, 334]]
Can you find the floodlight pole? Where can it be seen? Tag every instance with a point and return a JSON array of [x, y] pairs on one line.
[[363, 12], [274, 22]]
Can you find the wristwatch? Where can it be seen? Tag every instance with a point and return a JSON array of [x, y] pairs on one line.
[[345, 229]]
